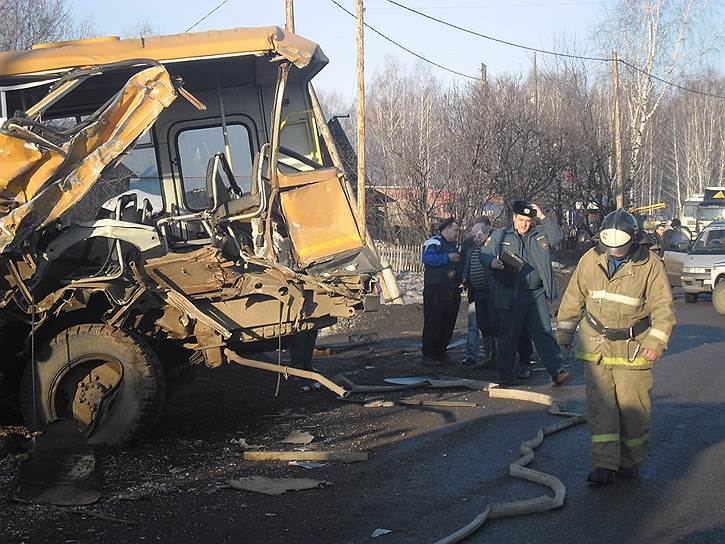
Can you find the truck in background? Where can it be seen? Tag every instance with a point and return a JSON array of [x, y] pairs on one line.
[[687, 213], [712, 207]]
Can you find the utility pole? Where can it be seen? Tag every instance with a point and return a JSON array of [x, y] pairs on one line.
[[484, 75], [618, 196], [362, 217], [289, 9], [535, 76]]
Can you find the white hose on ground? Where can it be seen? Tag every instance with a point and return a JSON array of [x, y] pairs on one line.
[[518, 469]]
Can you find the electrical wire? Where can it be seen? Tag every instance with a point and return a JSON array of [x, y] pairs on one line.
[[421, 57], [206, 16], [548, 52], [670, 83], [494, 39]]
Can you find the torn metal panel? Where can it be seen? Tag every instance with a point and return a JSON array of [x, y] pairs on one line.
[[132, 111], [306, 177], [319, 233], [237, 41], [142, 237]]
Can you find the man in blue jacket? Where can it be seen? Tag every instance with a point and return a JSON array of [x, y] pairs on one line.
[[523, 287], [441, 292]]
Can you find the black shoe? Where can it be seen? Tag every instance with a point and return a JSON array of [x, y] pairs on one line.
[[508, 382], [524, 373], [561, 378], [627, 473], [600, 476], [445, 360], [431, 361], [468, 361]]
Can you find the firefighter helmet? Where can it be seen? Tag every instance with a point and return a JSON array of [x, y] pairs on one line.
[[618, 232]]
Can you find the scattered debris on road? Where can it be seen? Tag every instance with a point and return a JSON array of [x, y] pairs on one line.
[[344, 457], [62, 468], [275, 486], [298, 437], [309, 465]]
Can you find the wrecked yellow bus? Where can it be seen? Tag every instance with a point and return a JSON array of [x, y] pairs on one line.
[[165, 201]]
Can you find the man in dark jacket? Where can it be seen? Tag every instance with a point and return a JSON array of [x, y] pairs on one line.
[[522, 288], [441, 292]]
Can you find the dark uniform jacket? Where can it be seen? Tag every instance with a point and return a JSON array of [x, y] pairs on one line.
[[438, 269], [544, 237]]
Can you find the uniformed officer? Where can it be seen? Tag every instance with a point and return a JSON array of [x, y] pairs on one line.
[[521, 291], [620, 299]]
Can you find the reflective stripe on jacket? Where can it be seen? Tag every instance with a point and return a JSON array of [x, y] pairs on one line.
[[638, 289]]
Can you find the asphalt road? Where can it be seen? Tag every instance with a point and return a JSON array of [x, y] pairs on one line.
[[430, 470]]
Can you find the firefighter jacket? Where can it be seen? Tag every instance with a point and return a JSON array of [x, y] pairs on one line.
[[637, 290], [540, 239]]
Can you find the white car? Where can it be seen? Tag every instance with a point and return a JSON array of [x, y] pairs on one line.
[[717, 280], [708, 248]]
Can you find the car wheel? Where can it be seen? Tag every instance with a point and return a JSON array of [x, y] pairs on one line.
[[690, 297], [718, 297], [108, 380]]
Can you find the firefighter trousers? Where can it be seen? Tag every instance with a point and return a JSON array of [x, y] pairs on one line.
[[618, 414]]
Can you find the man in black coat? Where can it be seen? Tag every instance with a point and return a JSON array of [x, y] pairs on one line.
[[441, 292]]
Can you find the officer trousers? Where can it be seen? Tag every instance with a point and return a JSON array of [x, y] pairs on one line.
[[528, 309], [440, 310], [618, 415]]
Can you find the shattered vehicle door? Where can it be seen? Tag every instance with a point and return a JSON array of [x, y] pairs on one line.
[[40, 179]]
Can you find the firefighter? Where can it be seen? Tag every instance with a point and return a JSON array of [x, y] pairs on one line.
[[620, 299]]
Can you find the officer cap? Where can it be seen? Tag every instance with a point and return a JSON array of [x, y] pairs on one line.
[[521, 207]]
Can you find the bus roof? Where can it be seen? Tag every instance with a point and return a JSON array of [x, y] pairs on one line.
[[59, 57]]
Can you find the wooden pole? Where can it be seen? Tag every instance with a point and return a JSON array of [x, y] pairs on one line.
[[536, 86], [361, 119], [289, 9], [618, 195]]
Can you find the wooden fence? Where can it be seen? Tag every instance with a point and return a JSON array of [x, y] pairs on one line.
[[402, 258]]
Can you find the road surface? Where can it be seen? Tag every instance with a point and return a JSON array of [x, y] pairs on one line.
[[430, 471]]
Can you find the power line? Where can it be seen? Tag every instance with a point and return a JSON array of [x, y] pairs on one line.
[[206, 16], [670, 83], [555, 53], [494, 39], [421, 57]]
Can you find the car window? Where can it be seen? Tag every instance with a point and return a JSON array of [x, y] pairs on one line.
[[711, 214], [710, 241], [143, 168], [197, 145]]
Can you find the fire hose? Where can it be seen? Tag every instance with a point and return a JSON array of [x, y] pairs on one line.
[[518, 469]]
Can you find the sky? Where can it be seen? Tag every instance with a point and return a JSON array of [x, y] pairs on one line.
[[537, 23]]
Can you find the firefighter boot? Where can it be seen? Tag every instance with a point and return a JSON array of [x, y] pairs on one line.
[[600, 476]]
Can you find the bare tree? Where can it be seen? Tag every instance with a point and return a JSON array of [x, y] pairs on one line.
[[656, 36], [27, 22], [140, 29]]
